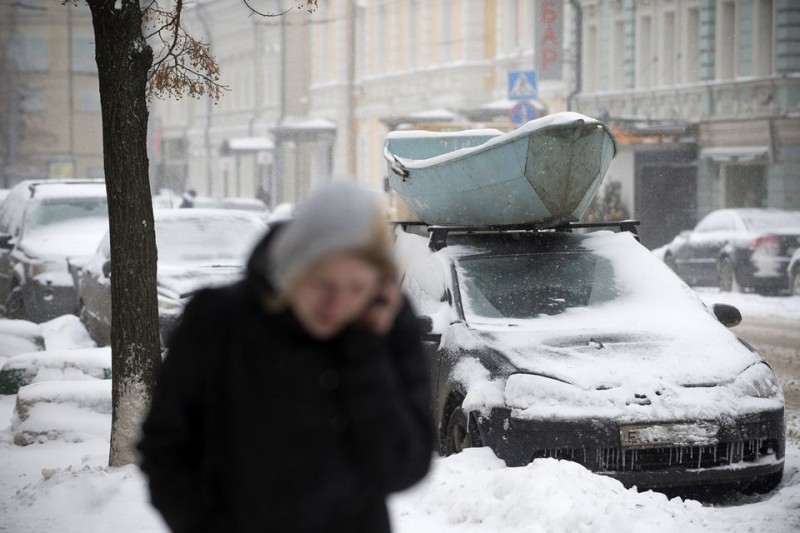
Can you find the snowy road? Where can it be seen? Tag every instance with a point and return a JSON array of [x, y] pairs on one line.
[[779, 342]]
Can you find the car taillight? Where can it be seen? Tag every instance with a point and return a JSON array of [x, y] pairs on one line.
[[769, 244]]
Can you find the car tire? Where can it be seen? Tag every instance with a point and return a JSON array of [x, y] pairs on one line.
[[727, 276], [794, 282], [461, 433], [15, 304]]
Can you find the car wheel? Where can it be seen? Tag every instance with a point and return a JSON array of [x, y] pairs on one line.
[[15, 305], [459, 433], [794, 283], [727, 276]]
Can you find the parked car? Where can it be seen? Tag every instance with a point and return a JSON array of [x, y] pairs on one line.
[[793, 273], [196, 248], [737, 249], [585, 347], [42, 223]]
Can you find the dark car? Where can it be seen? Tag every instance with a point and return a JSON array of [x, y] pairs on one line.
[[196, 248], [586, 347], [737, 249], [42, 225]]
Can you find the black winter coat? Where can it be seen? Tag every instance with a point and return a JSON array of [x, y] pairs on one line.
[[256, 427]]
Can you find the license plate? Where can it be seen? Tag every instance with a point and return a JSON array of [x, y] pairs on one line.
[[668, 435]]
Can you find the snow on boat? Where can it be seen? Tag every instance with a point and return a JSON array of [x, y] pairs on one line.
[[546, 172]]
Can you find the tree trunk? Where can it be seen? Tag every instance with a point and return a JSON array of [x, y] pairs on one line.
[[123, 61]]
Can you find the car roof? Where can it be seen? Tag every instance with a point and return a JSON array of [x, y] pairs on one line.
[[47, 189], [204, 214], [516, 242]]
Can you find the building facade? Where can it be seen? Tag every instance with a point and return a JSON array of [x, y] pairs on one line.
[[704, 96], [49, 95], [352, 71]]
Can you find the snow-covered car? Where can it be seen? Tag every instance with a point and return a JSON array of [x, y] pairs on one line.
[[736, 249], [42, 224], [196, 248], [793, 273], [586, 347]]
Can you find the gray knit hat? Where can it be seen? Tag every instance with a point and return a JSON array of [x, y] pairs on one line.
[[339, 216]]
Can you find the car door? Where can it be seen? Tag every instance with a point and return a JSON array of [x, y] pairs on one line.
[[95, 294], [697, 258]]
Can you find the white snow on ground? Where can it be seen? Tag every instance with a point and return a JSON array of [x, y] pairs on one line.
[[62, 485]]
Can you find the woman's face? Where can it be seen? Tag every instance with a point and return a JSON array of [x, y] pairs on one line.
[[333, 293]]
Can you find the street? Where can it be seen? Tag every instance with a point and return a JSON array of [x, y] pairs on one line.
[[778, 340]]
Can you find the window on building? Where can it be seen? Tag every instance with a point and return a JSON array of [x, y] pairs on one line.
[[763, 38], [383, 39], [513, 21], [590, 59], [412, 34], [446, 43], [644, 61], [618, 55], [691, 46], [726, 41], [745, 186], [33, 101], [668, 57], [31, 52], [83, 55], [89, 100]]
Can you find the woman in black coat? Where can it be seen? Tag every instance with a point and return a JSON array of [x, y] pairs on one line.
[[297, 399]]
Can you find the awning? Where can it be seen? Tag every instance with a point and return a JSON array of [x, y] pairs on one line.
[[249, 144], [738, 154]]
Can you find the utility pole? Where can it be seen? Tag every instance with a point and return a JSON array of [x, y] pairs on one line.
[[9, 59]]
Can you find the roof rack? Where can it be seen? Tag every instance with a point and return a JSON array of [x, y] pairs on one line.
[[438, 239]]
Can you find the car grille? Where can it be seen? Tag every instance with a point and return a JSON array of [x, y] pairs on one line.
[[649, 459]]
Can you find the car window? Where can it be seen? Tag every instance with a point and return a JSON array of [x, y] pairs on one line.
[[41, 214], [527, 286], [719, 221], [765, 221], [208, 241]]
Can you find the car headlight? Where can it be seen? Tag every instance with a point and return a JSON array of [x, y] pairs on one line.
[[526, 390], [758, 381]]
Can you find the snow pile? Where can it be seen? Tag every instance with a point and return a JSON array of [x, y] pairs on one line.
[[56, 365], [19, 336], [66, 333], [62, 410]]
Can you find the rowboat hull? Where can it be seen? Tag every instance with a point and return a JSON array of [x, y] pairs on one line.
[[545, 172]]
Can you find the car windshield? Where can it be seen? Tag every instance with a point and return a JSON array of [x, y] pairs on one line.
[[43, 214], [527, 286], [214, 241], [772, 221]]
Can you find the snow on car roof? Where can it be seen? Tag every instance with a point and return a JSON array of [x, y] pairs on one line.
[[65, 189], [204, 214]]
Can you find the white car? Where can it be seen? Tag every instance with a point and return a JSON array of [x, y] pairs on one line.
[[196, 248]]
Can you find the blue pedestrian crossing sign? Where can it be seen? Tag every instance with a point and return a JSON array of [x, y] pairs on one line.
[[522, 85], [522, 112]]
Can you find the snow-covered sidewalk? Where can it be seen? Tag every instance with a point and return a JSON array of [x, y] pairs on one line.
[[62, 483]]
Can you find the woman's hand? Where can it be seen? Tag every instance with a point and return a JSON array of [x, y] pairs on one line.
[[381, 313]]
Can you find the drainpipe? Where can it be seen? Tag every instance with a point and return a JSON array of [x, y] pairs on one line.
[[578, 53]]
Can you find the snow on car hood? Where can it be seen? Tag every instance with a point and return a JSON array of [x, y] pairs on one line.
[[77, 237], [656, 345], [181, 282]]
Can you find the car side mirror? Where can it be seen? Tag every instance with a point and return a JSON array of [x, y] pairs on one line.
[[426, 328], [6, 241], [728, 315], [107, 269]]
